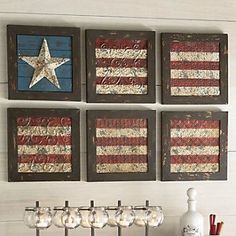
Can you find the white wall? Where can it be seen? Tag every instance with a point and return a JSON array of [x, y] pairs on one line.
[[203, 16]]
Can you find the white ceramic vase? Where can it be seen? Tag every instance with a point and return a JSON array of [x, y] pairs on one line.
[[191, 223]]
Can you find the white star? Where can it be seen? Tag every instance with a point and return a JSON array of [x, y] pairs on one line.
[[44, 65]]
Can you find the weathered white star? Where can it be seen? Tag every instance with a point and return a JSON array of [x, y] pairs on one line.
[[44, 65]]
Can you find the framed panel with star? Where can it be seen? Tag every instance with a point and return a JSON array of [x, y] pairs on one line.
[[120, 66], [121, 145], [194, 146], [43, 144], [194, 68], [44, 63]]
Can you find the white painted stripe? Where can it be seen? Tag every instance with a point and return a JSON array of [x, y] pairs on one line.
[[126, 132], [195, 91], [44, 167], [43, 149], [121, 89], [194, 150], [43, 131], [194, 56], [121, 71], [121, 150], [194, 74], [121, 167], [194, 167], [121, 53], [200, 133]]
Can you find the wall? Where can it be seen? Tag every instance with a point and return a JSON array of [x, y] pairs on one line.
[[203, 16]]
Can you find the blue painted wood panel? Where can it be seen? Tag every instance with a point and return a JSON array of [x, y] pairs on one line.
[[45, 85], [59, 46]]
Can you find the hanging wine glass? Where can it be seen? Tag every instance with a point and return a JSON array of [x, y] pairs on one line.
[[111, 210], [98, 217], [57, 216], [42, 217], [71, 217], [84, 211], [125, 216], [155, 216], [141, 216], [29, 217]]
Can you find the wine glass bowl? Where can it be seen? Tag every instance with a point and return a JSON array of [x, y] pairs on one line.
[[98, 217], [84, 211], [125, 216], [57, 216], [29, 217], [155, 216], [71, 217], [111, 210], [141, 216]]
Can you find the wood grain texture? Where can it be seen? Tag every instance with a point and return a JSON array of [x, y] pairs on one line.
[[203, 16]]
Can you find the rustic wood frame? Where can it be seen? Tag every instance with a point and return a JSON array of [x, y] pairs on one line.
[[166, 175], [167, 98], [92, 97], [13, 175], [13, 92], [91, 146]]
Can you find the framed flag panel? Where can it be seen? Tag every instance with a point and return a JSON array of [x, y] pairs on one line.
[[43, 63], [43, 144], [194, 68], [120, 66], [121, 145], [194, 146]]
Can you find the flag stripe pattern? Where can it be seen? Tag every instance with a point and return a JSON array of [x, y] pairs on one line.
[[194, 68], [194, 145], [121, 145], [44, 144], [121, 66]]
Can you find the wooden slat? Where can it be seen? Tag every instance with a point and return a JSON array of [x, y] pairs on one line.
[[158, 9]]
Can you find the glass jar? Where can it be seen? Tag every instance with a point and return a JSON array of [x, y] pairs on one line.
[[57, 216], [155, 216], [141, 216], [84, 211], [29, 217], [43, 217], [98, 217], [111, 210], [125, 216], [71, 217]]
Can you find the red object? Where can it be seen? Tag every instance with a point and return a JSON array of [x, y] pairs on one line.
[[212, 224], [219, 228]]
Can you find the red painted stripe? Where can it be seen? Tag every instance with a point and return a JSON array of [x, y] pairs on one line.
[[194, 46], [121, 43], [121, 62], [190, 159], [43, 140], [195, 65], [194, 141], [122, 80], [43, 121], [194, 124], [121, 123], [124, 141], [114, 159], [44, 158], [195, 82]]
